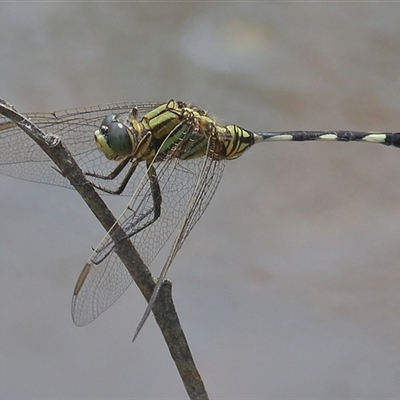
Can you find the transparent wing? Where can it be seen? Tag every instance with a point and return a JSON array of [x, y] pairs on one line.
[[186, 189], [203, 191], [21, 157]]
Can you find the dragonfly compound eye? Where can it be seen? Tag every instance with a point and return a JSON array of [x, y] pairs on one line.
[[109, 119], [118, 139], [113, 138]]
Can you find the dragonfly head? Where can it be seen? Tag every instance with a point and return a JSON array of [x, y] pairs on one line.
[[114, 138]]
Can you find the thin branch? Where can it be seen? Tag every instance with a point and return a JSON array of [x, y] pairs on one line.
[[164, 310]]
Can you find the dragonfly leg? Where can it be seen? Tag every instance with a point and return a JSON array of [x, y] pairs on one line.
[[155, 191], [114, 173], [155, 210], [124, 182], [156, 196]]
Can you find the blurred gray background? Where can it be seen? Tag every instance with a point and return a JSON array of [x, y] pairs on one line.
[[289, 286]]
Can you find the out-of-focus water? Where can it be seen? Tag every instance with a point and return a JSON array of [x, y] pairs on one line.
[[289, 285]]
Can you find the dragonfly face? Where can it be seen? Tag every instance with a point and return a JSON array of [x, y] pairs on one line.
[[114, 138]]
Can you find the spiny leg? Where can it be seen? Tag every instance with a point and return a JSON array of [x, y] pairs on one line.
[[123, 184], [155, 210], [114, 173], [157, 200]]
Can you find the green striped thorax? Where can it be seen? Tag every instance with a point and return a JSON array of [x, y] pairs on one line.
[[172, 128]]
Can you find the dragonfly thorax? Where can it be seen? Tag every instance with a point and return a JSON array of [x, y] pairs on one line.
[[114, 138]]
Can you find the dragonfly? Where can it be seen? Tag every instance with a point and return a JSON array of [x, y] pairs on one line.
[[167, 157]]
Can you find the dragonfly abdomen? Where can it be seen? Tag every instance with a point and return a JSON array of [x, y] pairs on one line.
[[234, 140], [387, 138]]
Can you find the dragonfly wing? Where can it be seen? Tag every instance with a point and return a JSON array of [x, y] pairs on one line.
[[207, 180], [104, 277], [98, 287], [105, 273], [21, 157]]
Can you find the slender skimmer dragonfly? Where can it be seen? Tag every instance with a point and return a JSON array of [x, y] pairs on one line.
[[168, 157]]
